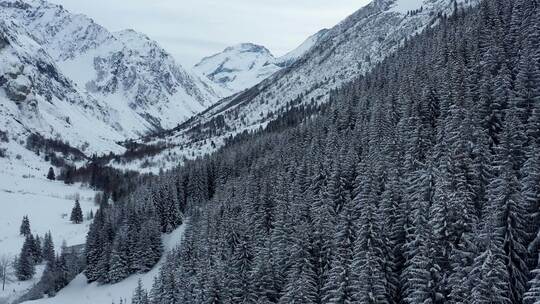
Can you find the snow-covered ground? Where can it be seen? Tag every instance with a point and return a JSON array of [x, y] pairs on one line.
[[24, 190], [16, 289], [80, 292]]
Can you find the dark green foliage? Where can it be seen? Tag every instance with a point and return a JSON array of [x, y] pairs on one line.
[[25, 226], [48, 253], [25, 266], [76, 213], [50, 174]]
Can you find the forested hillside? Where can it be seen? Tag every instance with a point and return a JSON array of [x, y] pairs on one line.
[[418, 183]]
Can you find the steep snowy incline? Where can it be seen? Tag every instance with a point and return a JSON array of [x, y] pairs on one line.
[[79, 291]]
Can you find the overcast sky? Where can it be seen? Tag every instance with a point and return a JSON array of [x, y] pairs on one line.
[[192, 29]]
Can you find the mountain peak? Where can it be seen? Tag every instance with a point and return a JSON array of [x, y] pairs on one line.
[[248, 47], [244, 65]]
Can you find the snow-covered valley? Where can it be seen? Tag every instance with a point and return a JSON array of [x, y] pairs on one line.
[[25, 191]]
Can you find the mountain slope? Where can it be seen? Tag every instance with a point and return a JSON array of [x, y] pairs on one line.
[[135, 85], [35, 97], [291, 57], [348, 50]]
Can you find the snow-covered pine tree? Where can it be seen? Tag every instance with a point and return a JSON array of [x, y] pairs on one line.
[[370, 251], [119, 263], [25, 226], [37, 250], [504, 192], [24, 268], [489, 274], [341, 282], [48, 253], [421, 277], [140, 296], [76, 213], [301, 284], [530, 194], [266, 283], [240, 284], [148, 249], [50, 174]]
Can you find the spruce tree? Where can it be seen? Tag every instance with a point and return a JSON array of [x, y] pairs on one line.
[[76, 213], [504, 194], [240, 284], [37, 249], [370, 251], [25, 226], [140, 296], [25, 263], [119, 263], [50, 174], [48, 253], [489, 275], [340, 286], [532, 296], [421, 278]]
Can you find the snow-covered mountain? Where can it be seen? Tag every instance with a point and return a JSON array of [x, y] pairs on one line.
[[36, 97], [238, 67], [348, 50], [244, 65], [64, 75]]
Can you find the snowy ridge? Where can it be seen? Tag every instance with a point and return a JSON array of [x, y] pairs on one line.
[[291, 57]]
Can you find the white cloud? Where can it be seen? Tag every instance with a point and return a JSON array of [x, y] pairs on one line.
[[192, 29]]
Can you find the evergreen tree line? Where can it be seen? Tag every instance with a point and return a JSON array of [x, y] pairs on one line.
[[125, 236], [33, 252], [60, 269], [419, 183]]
